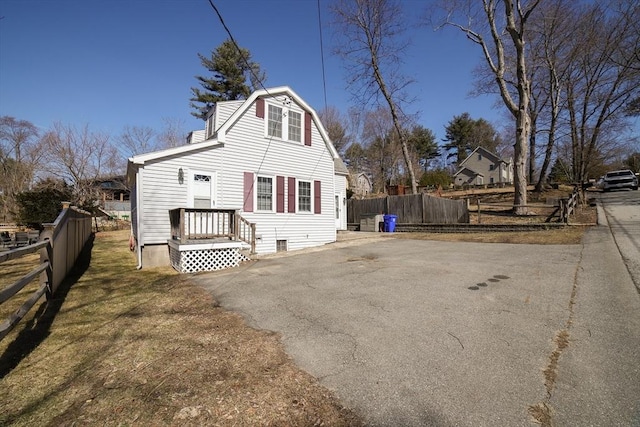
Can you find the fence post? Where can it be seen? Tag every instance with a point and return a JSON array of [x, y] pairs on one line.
[[479, 219], [46, 255]]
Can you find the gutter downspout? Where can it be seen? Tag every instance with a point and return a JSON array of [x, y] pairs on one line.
[[138, 203]]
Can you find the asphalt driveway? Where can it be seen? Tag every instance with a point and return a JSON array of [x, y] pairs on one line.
[[413, 333]]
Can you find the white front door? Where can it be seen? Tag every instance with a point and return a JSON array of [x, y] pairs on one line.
[[202, 194], [340, 211]]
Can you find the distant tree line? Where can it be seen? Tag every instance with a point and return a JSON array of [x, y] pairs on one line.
[[43, 167]]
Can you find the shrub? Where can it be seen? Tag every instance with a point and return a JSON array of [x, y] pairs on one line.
[[436, 177]]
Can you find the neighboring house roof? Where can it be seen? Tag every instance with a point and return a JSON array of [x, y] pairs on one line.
[[340, 167], [468, 172], [481, 150], [220, 134], [116, 182], [365, 176]]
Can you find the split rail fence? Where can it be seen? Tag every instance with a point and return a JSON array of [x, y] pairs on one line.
[[560, 213], [59, 245]]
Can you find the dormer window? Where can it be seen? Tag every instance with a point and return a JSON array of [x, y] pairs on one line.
[[210, 124]]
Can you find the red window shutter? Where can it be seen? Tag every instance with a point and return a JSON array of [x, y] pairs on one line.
[[247, 205], [317, 196], [279, 194], [260, 108], [307, 128], [291, 194]]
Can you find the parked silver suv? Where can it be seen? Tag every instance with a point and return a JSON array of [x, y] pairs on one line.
[[620, 179]]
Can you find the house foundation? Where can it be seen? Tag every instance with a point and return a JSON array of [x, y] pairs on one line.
[[196, 257]]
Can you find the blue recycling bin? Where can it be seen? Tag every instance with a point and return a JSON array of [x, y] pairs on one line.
[[390, 223]]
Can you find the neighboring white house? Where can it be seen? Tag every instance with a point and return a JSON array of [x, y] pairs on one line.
[[484, 167], [268, 158]]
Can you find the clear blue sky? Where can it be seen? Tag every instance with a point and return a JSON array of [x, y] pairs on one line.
[[132, 62]]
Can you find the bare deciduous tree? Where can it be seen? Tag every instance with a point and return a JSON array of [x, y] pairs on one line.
[[19, 155], [336, 126], [498, 26], [172, 133], [549, 54], [136, 140], [79, 157], [603, 79], [382, 147], [371, 48]]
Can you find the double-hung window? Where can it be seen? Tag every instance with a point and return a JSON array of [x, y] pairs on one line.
[[275, 122], [264, 193], [284, 123], [304, 196], [295, 126]]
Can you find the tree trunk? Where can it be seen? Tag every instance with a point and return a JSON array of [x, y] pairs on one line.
[[520, 167], [532, 147]]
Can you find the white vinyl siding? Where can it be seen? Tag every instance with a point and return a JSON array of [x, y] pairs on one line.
[[161, 190]]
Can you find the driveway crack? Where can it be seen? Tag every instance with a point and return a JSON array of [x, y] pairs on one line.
[[542, 412]]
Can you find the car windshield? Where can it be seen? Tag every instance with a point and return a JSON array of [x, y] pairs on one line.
[[620, 173]]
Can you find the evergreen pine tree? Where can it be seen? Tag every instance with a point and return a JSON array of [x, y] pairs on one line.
[[230, 70]]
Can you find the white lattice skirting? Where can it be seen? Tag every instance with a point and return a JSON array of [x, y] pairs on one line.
[[188, 258]]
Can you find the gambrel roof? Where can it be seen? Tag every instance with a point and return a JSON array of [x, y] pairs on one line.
[[221, 133]]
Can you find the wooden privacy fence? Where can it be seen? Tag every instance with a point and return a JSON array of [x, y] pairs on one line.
[[60, 245], [410, 209]]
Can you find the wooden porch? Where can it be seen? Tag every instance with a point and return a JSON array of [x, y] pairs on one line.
[[209, 239]]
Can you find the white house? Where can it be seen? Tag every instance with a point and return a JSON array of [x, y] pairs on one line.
[[266, 161], [484, 167]]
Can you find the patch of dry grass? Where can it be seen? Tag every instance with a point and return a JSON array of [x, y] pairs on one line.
[[10, 272], [571, 235], [123, 347], [540, 209]]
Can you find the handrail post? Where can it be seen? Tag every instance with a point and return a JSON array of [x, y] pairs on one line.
[[236, 226], [182, 226], [253, 238]]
